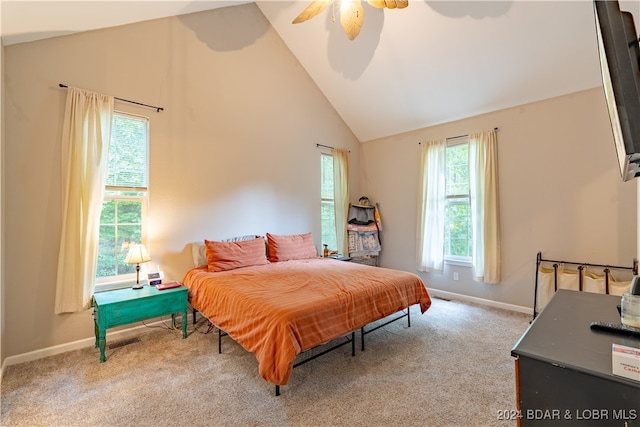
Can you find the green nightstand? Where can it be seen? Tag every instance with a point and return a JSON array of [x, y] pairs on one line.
[[124, 306]]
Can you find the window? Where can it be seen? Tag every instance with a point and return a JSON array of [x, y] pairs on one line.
[[458, 206], [457, 212], [124, 209], [327, 202]]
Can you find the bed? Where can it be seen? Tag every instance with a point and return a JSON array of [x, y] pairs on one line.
[[277, 308]]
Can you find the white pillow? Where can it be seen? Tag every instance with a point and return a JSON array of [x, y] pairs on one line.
[[199, 250], [199, 253]]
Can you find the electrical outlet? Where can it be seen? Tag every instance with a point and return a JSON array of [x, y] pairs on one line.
[[455, 275]]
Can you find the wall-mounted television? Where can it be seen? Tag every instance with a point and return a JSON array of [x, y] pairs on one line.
[[620, 66]]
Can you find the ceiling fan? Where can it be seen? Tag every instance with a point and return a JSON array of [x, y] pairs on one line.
[[351, 12]]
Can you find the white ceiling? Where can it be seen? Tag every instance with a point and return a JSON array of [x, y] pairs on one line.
[[431, 63]]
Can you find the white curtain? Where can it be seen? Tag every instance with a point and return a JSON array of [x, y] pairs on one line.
[[86, 134], [431, 204], [341, 197], [485, 218]]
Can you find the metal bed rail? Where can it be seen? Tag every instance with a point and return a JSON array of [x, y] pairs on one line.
[[349, 338]]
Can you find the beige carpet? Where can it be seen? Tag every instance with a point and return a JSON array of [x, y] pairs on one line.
[[452, 367]]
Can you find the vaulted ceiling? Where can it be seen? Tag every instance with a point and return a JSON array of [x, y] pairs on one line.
[[431, 63]]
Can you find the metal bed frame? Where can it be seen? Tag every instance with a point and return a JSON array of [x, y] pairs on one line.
[[581, 266], [349, 338]]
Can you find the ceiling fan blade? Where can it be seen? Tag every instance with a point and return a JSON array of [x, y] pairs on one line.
[[389, 4], [312, 10], [377, 3], [351, 18]]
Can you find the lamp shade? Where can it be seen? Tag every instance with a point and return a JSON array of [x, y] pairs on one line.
[[137, 254]]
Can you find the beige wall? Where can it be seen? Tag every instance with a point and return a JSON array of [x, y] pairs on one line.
[[2, 298], [560, 193], [234, 152]]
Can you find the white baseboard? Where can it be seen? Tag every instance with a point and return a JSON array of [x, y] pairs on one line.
[[75, 345], [450, 295]]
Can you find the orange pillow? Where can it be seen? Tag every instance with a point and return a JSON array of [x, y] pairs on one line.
[[292, 246], [223, 256]]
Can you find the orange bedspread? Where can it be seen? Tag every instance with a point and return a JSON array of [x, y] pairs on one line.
[[278, 310]]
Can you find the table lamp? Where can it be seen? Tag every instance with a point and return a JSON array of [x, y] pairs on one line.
[[137, 254]]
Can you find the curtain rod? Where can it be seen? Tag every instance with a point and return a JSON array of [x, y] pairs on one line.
[[158, 109], [460, 136], [326, 146]]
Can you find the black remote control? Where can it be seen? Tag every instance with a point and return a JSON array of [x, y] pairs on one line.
[[617, 328]]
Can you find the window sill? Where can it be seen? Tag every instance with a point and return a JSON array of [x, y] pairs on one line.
[[112, 286], [458, 262]]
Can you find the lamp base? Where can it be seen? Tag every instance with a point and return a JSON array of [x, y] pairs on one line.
[[137, 285]]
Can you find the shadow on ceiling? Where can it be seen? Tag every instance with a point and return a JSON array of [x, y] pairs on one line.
[[472, 9], [229, 28], [352, 57]]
